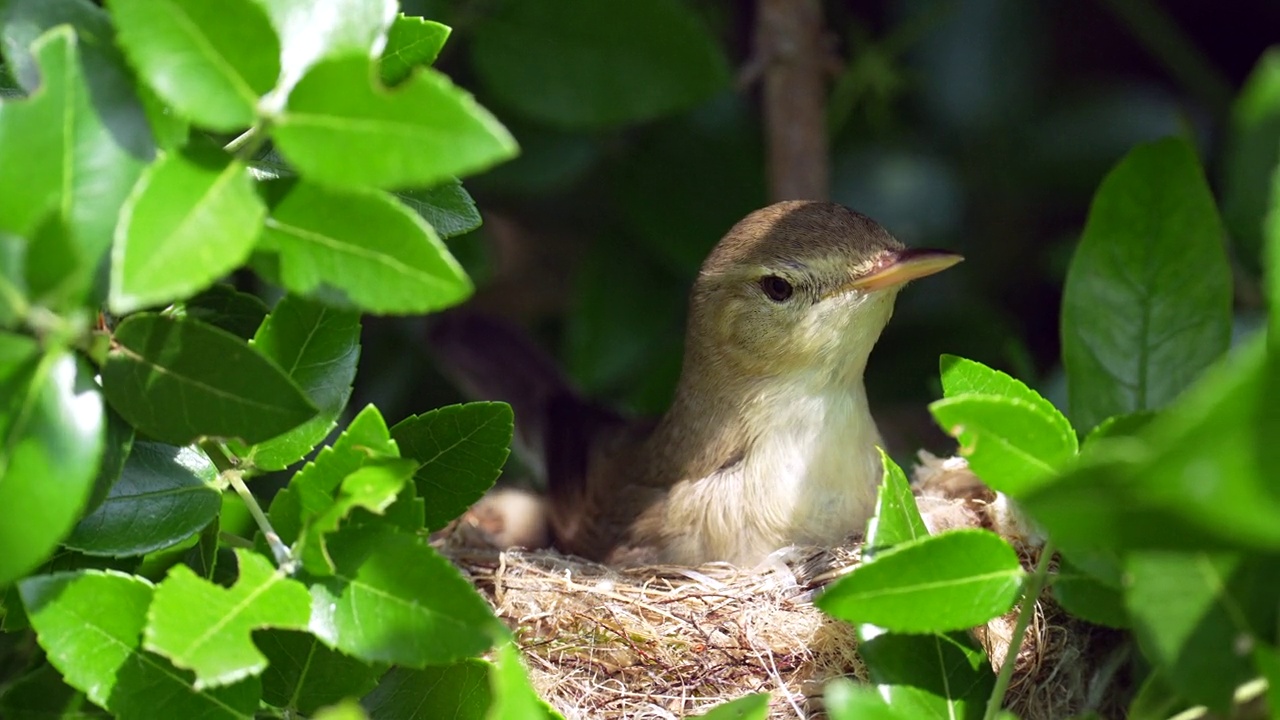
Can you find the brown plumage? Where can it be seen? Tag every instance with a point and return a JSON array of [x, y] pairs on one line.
[[769, 440]]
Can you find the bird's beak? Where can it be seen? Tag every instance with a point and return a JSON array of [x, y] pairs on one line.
[[900, 267]]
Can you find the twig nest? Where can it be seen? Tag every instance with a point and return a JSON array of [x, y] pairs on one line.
[[660, 641]]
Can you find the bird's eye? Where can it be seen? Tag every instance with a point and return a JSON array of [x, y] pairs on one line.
[[776, 288]]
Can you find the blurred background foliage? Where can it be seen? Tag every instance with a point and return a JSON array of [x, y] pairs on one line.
[[978, 125]]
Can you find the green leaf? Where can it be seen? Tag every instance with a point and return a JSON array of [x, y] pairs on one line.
[[373, 487], [459, 691], [362, 248], [340, 129], [413, 42], [57, 146], [951, 581], [513, 696], [211, 62], [393, 599], [318, 347], [961, 376], [1252, 149], [1088, 597], [42, 695], [1119, 426], [207, 628], [225, 307], [346, 709], [303, 675], [1271, 260], [1012, 444], [947, 677], [843, 700], [90, 623], [1193, 612], [164, 496], [1267, 658], [307, 36], [51, 431], [597, 62], [1199, 476], [897, 518], [460, 450], [178, 379], [1156, 699], [165, 245], [748, 707], [447, 207], [1147, 303]]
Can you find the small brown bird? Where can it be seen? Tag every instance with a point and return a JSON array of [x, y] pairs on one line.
[[769, 441]]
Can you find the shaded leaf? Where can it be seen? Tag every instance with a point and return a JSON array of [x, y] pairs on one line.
[[460, 450], [1147, 303], [225, 307], [373, 487], [304, 675], [897, 517], [178, 379], [339, 129], [165, 245], [1192, 614], [208, 629], [117, 443], [950, 581], [748, 707], [597, 63], [412, 42], [90, 623], [393, 599], [1012, 444], [843, 700], [42, 695], [458, 691], [1088, 597], [362, 248], [211, 62], [58, 144], [164, 496], [448, 207], [1155, 700], [1252, 149], [947, 677], [318, 347], [51, 434]]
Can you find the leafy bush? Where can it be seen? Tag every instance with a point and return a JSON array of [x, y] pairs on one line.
[[150, 149]]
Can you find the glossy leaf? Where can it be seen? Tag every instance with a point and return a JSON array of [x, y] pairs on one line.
[[341, 130], [373, 487], [947, 677], [1192, 613], [961, 376], [412, 42], [116, 446], [51, 433], [447, 207], [1012, 444], [1147, 303], [460, 450], [459, 691], [844, 700], [362, 248], [303, 675], [950, 581], [393, 599], [897, 517], [314, 487], [207, 628], [178, 379], [90, 624], [164, 496], [239, 313], [1088, 597], [1197, 477], [318, 347], [310, 33], [597, 62], [748, 707], [192, 218], [56, 147], [210, 61]]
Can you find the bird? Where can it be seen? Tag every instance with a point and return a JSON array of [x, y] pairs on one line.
[[769, 441]]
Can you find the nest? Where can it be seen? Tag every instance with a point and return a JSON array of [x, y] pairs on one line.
[[667, 642]]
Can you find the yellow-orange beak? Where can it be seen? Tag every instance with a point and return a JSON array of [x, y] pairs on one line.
[[900, 267]]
